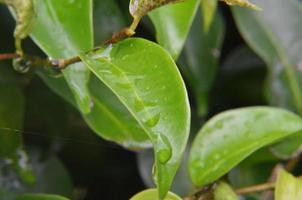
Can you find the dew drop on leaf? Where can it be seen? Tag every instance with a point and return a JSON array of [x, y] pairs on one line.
[[164, 149], [20, 65], [152, 121]]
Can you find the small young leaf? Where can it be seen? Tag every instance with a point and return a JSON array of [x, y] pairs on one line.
[[152, 194], [224, 192], [288, 187], [147, 82], [230, 137]]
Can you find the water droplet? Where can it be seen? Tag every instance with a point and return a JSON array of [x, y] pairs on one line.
[[140, 105], [154, 173], [153, 121], [20, 65], [164, 149], [197, 164]]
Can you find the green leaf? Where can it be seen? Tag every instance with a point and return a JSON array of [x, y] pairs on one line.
[[57, 33], [11, 119], [107, 19], [224, 192], [230, 137], [208, 8], [40, 197], [108, 118], [274, 38], [145, 79], [152, 194], [52, 177], [182, 184], [256, 169], [200, 58], [288, 187], [289, 148], [11, 123], [173, 23]]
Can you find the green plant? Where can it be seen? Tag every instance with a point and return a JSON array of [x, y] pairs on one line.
[[130, 91]]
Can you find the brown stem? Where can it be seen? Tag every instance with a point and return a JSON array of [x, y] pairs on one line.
[[255, 188], [8, 56], [34, 61]]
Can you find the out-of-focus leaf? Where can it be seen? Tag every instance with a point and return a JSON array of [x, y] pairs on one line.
[[11, 119], [224, 192], [108, 19], [276, 39], [40, 197], [152, 194], [275, 35], [200, 58], [288, 148], [11, 123], [256, 169], [241, 75], [173, 23], [231, 136], [63, 29], [146, 80], [208, 10], [51, 177], [288, 187]]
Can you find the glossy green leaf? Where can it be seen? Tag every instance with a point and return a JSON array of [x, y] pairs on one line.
[[152, 194], [230, 137], [289, 148], [288, 187], [173, 23], [276, 38], [145, 79], [108, 118], [224, 192], [40, 197], [200, 58], [57, 33]]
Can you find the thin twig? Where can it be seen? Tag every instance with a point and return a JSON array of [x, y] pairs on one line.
[[8, 56], [255, 188]]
